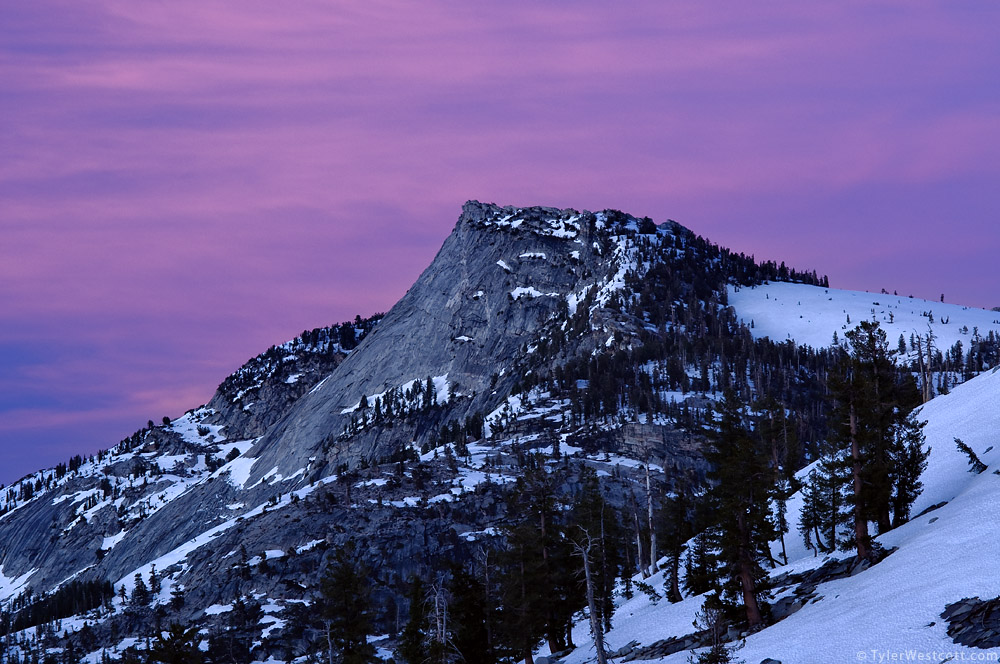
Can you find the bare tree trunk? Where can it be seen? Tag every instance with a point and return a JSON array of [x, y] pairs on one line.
[[528, 657], [860, 522], [638, 540], [440, 617], [605, 591], [745, 573], [675, 587], [924, 364], [652, 531], [930, 359], [485, 555], [596, 628], [329, 642], [920, 370]]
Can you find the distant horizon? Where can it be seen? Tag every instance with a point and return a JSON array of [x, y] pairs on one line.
[[187, 184]]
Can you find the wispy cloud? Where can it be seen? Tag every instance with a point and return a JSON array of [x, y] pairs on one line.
[[211, 177]]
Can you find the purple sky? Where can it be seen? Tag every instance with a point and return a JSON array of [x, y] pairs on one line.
[[185, 183]]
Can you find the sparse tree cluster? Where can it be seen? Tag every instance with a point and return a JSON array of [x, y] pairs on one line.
[[871, 467]]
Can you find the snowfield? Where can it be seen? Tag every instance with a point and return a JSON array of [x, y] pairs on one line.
[[892, 611], [810, 315]]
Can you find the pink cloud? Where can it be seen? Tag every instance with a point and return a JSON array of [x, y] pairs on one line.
[[194, 181]]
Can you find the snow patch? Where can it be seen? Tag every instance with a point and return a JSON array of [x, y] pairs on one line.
[[110, 541], [525, 291], [216, 609], [237, 471], [12, 586], [809, 315]]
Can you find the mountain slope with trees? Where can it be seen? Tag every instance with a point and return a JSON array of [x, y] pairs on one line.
[[537, 428]]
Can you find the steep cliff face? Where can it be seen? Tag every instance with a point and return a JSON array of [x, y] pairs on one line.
[[501, 276]]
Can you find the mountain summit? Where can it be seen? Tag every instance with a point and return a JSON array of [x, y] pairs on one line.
[[544, 352]]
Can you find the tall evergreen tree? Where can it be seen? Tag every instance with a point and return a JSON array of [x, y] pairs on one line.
[[592, 514], [413, 640], [701, 566], [140, 593], [345, 607], [810, 515], [825, 512], [773, 429], [540, 588], [675, 531], [909, 461], [873, 436], [470, 617], [522, 600], [178, 645], [743, 486]]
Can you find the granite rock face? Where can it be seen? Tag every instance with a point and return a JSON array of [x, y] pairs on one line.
[[291, 457], [488, 293], [498, 280]]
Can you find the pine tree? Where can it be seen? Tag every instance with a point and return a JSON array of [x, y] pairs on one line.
[[470, 617], [700, 566], [824, 514], [413, 640], [675, 531], [140, 593], [909, 461], [871, 430], [178, 645], [540, 589], [154, 582], [740, 500], [345, 608], [977, 466], [522, 587], [772, 429], [809, 515]]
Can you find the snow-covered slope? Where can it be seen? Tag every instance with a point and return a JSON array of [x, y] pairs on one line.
[[810, 315], [892, 611]]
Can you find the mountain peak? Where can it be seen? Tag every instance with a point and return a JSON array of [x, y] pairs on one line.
[[588, 346]]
